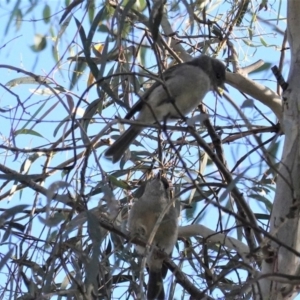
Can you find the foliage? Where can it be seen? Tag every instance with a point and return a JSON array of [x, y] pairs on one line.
[[223, 168]]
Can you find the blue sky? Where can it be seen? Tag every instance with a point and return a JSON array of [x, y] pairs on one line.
[[15, 51]]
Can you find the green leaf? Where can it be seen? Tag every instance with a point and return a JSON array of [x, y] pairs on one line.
[[6, 235], [87, 118], [91, 10], [191, 211], [53, 220], [25, 167], [27, 131], [18, 19], [242, 11], [6, 257], [40, 43], [123, 27], [264, 67], [61, 123], [11, 212], [248, 103], [69, 8], [34, 115], [27, 80], [46, 13], [263, 42], [15, 12], [103, 28], [262, 216], [262, 199], [140, 5], [118, 183], [77, 73]]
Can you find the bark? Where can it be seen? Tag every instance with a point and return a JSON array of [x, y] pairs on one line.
[[284, 223]]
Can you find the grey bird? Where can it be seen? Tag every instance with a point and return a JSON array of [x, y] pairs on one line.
[[185, 86], [142, 219]]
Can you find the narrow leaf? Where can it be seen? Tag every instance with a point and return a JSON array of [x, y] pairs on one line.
[[27, 131]]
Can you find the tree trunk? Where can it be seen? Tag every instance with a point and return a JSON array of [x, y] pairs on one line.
[[284, 223]]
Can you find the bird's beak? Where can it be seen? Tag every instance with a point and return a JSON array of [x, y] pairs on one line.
[[220, 90]]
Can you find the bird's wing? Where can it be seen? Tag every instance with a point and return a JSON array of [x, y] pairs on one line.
[[140, 103]]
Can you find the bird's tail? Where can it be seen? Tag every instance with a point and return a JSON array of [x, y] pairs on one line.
[[118, 148], [155, 286]]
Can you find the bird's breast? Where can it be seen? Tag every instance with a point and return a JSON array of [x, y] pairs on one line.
[[181, 94]]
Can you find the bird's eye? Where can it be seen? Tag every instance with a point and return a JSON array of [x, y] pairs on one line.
[[219, 76]]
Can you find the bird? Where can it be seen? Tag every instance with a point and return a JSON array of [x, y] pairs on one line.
[[182, 89], [141, 222]]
